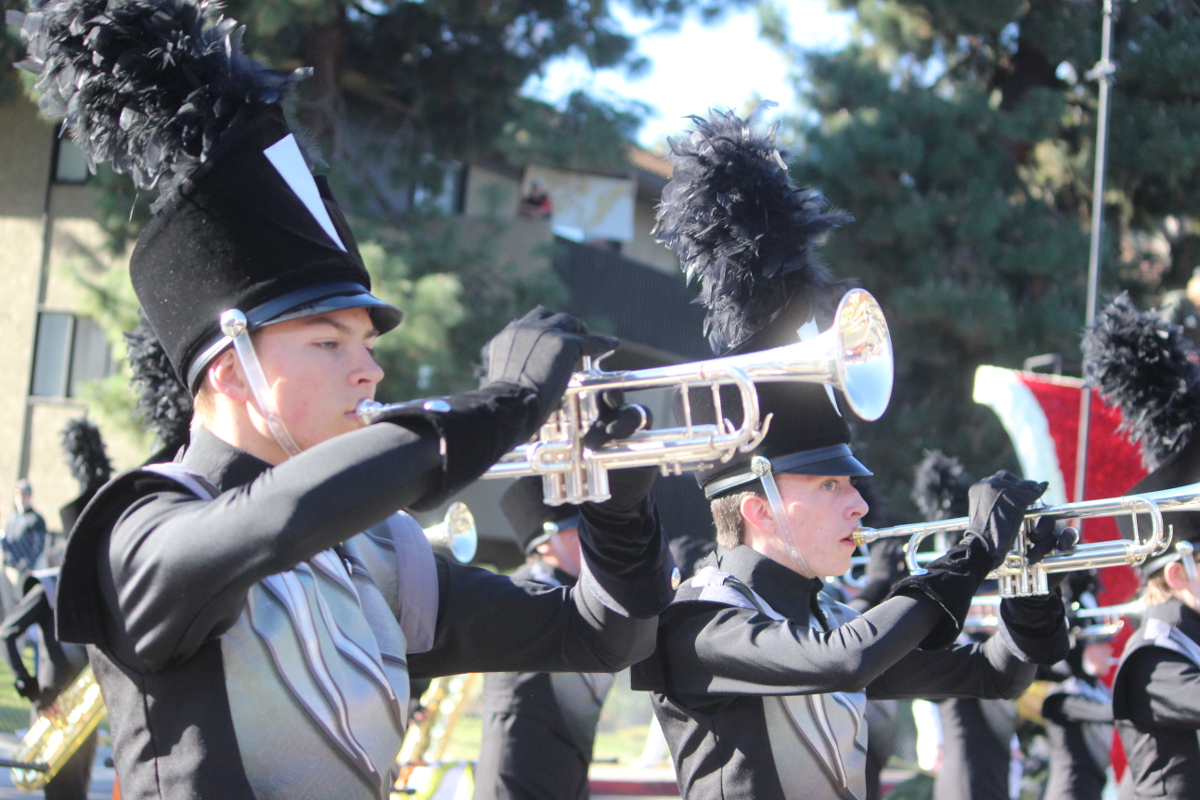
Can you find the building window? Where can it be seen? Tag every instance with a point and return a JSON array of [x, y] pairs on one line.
[[70, 164], [70, 350]]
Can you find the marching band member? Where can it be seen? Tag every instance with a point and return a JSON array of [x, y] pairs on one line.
[[58, 663], [976, 733], [253, 610], [1140, 363], [1077, 711], [759, 681], [539, 727]]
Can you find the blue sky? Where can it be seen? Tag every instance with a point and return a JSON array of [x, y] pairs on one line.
[[724, 65]]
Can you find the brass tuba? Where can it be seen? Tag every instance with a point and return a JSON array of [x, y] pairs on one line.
[[58, 732]]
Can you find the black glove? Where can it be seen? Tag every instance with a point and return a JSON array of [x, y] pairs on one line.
[[629, 489], [28, 689], [539, 352], [997, 509], [1036, 626]]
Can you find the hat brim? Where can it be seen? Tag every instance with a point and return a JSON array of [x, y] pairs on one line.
[[838, 466], [304, 302], [384, 315]]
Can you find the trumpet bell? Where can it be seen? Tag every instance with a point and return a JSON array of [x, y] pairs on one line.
[[456, 533], [866, 355]]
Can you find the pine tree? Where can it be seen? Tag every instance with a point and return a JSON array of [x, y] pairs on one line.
[[960, 135]]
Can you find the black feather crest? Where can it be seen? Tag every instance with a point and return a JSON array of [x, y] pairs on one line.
[[86, 457], [1139, 363], [740, 227], [149, 85], [164, 404], [940, 487]]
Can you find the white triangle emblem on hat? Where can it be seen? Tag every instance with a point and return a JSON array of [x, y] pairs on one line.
[[285, 156]]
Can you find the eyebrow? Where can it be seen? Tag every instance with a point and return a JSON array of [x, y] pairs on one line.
[[325, 319]]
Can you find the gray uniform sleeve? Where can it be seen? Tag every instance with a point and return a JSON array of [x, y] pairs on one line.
[[713, 649], [988, 671], [180, 567]]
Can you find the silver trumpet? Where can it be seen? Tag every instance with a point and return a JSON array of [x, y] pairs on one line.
[[1019, 578], [854, 355], [456, 533]]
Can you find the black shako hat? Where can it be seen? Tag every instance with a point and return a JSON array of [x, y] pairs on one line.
[[532, 521], [1140, 364], [750, 238], [807, 434], [251, 229]]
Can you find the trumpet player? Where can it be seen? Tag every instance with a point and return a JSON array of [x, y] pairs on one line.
[[759, 682], [539, 727], [1140, 364], [254, 609]]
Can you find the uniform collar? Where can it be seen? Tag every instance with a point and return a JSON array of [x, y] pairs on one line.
[[224, 465], [787, 591], [1175, 613]]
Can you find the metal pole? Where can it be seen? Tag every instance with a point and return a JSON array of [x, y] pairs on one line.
[[1101, 72]]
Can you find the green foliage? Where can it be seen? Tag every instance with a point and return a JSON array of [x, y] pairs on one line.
[[455, 294], [961, 137], [12, 50], [585, 135]]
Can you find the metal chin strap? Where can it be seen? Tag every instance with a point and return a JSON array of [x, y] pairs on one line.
[[234, 325], [761, 467]]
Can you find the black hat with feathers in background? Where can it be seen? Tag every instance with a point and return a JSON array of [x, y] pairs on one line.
[[163, 91], [940, 487], [524, 506], [1139, 363], [87, 459], [164, 405], [749, 237]]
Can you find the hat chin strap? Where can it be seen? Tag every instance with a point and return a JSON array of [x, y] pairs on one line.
[[234, 325], [762, 468]]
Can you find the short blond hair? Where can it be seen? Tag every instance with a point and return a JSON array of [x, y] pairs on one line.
[[727, 517]]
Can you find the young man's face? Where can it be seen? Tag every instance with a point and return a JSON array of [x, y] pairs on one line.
[[318, 369], [824, 511]]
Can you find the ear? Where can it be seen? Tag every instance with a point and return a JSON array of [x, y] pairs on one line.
[[226, 377], [1176, 576], [756, 511]]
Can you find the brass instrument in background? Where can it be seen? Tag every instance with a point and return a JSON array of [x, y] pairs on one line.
[[456, 533], [427, 737], [58, 732], [854, 356], [1019, 578]]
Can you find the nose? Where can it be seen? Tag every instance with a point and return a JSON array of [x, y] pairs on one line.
[[858, 507], [367, 372]]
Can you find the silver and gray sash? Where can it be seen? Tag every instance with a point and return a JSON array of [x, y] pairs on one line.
[[818, 741], [316, 666]]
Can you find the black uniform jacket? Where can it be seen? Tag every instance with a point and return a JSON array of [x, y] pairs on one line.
[[721, 671], [1079, 726], [169, 590], [1156, 705], [538, 727], [58, 664]]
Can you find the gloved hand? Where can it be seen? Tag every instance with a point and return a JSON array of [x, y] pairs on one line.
[[997, 509], [539, 352], [886, 563], [628, 488], [28, 689]]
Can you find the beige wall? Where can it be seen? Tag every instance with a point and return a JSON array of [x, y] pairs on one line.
[[490, 194], [643, 248], [26, 146]]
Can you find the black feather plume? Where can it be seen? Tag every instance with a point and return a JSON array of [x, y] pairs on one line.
[[940, 487], [149, 85], [86, 458], [740, 227], [164, 404], [1139, 363]]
